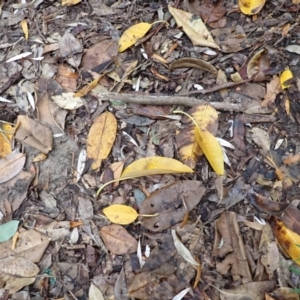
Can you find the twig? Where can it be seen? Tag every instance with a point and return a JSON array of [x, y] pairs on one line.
[[169, 100], [216, 88]]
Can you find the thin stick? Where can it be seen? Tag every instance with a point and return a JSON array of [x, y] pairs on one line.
[[144, 99]]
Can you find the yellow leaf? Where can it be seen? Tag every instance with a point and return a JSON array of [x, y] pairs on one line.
[[193, 27], [70, 2], [211, 149], [132, 35], [153, 166], [25, 28], [87, 88], [251, 7], [286, 238], [285, 78], [120, 214], [6, 133], [206, 117], [101, 137]]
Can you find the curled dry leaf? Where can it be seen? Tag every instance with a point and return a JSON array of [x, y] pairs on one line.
[[34, 134], [188, 62], [168, 203], [273, 88], [117, 240], [11, 165], [251, 7], [153, 166], [120, 214], [194, 28], [101, 137], [132, 35]]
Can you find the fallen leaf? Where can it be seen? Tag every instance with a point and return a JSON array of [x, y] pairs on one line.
[[251, 7], [284, 293], [131, 35], [188, 62], [101, 137], [285, 79], [120, 214], [87, 88], [68, 101], [80, 164], [70, 2], [68, 45], [153, 166], [34, 134], [206, 117], [6, 134], [288, 240], [67, 78], [258, 63], [293, 48], [11, 165], [261, 138], [17, 272], [182, 250], [168, 204], [117, 240], [273, 88], [95, 293], [194, 28], [25, 28], [8, 229]]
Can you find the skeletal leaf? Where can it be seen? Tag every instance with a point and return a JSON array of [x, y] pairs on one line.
[[120, 214], [251, 7], [101, 137], [132, 35], [153, 166], [194, 28]]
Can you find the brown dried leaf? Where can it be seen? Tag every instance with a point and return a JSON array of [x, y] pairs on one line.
[[101, 137], [118, 240], [11, 165], [188, 62], [273, 89], [168, 203], [66, 78], [34, 134], [261, 138]]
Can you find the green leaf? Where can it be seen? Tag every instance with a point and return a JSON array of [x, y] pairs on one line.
[[8, 230]]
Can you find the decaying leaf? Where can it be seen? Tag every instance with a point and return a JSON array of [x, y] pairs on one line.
[[188, 62], [261, 138], [288, 240], [194, 28], [120, 214], [132, 35], [34, 134], [206, 117], [17, 272], [273, 88], [153, 166], [168, 204], [101, 137], [11, 165], [258, 63], [251, 7], [68, 101], [6, 134], [117, 240]]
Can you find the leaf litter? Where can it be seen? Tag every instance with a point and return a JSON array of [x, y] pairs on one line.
[[87, 101]]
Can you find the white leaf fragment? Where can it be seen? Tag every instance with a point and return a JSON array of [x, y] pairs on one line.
[[180, 295], [183, 251], [81, 163], [19, 56]]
